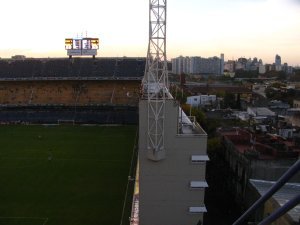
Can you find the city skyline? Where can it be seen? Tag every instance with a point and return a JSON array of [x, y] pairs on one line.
[[237, 28]]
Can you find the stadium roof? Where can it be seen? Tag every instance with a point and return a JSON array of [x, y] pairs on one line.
[[72, 69]]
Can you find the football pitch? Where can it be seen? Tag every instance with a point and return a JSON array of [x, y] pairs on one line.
[[64, 175]]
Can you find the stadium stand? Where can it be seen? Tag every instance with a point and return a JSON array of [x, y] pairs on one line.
[[76, 68], [55, 92], [80, 115], [83, 90]]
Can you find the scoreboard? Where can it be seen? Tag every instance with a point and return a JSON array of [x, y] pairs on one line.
[[81, 46]]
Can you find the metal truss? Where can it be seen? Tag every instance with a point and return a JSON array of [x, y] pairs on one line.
[[156, 78]]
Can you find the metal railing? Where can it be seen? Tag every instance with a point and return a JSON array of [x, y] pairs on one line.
[[295, 168]]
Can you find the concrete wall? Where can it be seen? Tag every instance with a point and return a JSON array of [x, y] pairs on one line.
[[165, 193], [272, 170]]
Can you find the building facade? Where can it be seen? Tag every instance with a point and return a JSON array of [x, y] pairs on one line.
[[172, 190], [255, 156], [198, 65], [201, 100], [296, 103], [277, 63]]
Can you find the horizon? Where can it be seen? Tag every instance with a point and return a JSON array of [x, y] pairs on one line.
[[169, 60], [237, 28]]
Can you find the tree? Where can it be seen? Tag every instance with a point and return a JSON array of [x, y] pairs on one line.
[[221, 94], [213, 144], [229, 100], [238, 101], [198, 113], [179, 94], [282, 75], [277, 85], [246, 74]]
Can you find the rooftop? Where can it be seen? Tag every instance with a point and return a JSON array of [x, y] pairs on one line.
[[260, 111], [188, 125], [260, 146], [205, 88], [286, 193]]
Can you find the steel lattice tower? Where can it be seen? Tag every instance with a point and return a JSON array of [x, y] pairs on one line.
[[155, 80]]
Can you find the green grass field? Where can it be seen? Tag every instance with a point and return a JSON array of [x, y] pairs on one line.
[[64, 175]]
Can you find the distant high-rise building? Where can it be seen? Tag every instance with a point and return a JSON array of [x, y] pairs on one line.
[[278, 63], [248, 64], [262, 69], [222, 64], [198, 65], [242, 60], [287, 69], [177, 65], [230, 66], [277, 60], [180, 65], [186, 65]]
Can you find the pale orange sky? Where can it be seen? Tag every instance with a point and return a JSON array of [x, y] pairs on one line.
[[248, 28]]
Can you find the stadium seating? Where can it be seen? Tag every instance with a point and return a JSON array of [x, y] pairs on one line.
[[99, 68], [64, 92], [74, 114], [84, 90], [4, 68]]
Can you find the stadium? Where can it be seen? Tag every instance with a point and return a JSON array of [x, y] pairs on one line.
[[68, 139], [101, 90], [98, 140]]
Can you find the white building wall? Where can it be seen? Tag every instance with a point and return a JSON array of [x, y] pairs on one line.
[[166, 195], [221, 64], [239, 66], [193, 101], [200, 100], [174, 65], [186, 65], [296, 103], [178, 65], [278, 67], [262, 69], [198, 65]]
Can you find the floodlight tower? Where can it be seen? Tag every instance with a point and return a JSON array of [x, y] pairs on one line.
[[155, 80]]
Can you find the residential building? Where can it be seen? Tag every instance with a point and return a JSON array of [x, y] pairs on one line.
[[278, 63], [177, 65], [198, 65], [201, 100], [262, 69], [254, 155], [287, 69], [230, 66], [261, 114], [296, 103]]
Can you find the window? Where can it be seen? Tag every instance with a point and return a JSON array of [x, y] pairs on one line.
[[197, 209], [198, 184], [199, 158]]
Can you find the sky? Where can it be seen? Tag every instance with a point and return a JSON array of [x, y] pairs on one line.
[[206, 28]]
